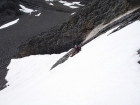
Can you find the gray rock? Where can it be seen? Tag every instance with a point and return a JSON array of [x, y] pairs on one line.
[[73, 31]]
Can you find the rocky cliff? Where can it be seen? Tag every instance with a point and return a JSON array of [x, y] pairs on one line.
[[75, 30], [9, 11]]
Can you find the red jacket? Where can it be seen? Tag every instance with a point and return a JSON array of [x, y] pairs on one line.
[[77, 48]]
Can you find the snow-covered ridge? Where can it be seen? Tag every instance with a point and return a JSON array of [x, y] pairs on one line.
[[105, 72]]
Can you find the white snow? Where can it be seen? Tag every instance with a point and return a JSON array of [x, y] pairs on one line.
[[51, 4], [26, 10], [105, 72], [66, 3], [77, 3], [9, 24], [71, 4], [38, 14], [73, 13]]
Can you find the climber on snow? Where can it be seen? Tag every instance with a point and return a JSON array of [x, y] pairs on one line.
[[77, 48]]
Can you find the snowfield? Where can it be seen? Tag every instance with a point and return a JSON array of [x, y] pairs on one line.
[[105, 72]]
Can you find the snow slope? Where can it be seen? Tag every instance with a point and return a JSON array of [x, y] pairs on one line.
[[105, 72]]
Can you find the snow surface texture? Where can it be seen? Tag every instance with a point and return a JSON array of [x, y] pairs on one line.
[[105, 72], [9, 24]]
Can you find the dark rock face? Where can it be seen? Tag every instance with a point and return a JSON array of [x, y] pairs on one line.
[[74, 30], [134, 2], [9, 11], [3, 72]]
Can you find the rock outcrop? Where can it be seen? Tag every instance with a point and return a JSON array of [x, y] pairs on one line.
[[74, 31], [9, 10]]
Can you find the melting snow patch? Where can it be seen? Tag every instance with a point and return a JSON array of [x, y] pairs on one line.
[[71, 5], [26, 10], [38, 14], [9, 24], [77, 3], [51, 4], [73, 13]]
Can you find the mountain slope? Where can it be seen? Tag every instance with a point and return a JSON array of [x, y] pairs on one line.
[[106, 71], [35, 17], [41, 34]]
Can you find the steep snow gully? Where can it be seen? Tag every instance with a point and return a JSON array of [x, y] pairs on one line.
[[105, 72]]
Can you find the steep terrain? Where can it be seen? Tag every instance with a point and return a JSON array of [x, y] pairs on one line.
[[96, 17], [77, 27], [105, 72], [35, 17]]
